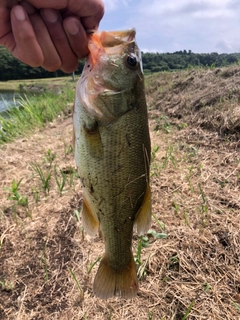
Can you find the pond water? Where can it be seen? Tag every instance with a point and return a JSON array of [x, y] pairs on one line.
[[8, 99]]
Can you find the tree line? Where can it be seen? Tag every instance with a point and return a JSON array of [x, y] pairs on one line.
[[13, 69], [155, 62]]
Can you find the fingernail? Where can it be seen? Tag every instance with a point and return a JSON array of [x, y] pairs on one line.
[[19, 13], [50, 15], [72, 27]]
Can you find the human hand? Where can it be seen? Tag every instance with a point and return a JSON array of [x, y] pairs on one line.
[[48, 33]]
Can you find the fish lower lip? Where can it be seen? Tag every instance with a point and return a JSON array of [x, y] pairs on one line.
[[111, 92]]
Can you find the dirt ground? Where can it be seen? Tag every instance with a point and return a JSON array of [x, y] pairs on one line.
[[188, 263]]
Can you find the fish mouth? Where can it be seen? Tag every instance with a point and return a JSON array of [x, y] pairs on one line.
[[109, 42], [115, 38]]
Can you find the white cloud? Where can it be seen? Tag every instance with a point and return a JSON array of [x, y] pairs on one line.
[[183, 8], [167, 26]]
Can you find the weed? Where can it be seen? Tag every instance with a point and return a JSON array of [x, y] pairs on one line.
[[236, 305], [77, 283], [189, 183], [92, 264], [68, 150], [35, 194], [50, 157], [72, 174], [161, 225], [207, 287], [154, 151], [44, 178], [15, 195], [163, 124], [188, 310], [175, 207], [150, 315], [157, 235], [170, 85], [142, 243], [182, 125], [142, 273], [76, 214], [169, 157], [173, 262], [185, 218], [60, 179], [18, 200], [6, 285]]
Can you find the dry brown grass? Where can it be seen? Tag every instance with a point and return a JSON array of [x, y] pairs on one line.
[[195, 179]]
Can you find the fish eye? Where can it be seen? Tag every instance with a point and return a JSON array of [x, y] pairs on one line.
[[132, 61]]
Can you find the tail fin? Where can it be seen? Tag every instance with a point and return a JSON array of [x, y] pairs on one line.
[[110, 282]]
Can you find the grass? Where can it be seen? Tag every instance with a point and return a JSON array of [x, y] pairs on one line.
[[15, 85], [43, 177], [188, 310], [191, 273], [15, 195], [77, 283], [92, 264], [34, 111]]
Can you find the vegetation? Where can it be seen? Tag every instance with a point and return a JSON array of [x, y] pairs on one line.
[[155, 62], [188, 262], [35, 111], [11, 68]]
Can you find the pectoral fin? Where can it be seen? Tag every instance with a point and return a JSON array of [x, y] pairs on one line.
[[143, 218], [93, 141], [89, 219]]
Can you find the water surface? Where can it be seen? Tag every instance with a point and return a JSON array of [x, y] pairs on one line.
[[8, 99]]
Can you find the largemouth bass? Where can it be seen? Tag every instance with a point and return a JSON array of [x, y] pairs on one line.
[[112, 152]]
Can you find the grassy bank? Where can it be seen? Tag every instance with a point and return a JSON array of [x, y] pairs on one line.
[[52, 97], [47, 83]]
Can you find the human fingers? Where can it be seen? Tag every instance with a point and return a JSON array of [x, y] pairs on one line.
[[53, 22], [78, 16], [22, 42], [6, 37], [51, 59], [88, 18], [91, 14], [77, 36]]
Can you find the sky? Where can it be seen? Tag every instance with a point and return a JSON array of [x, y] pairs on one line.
[[172, 25]]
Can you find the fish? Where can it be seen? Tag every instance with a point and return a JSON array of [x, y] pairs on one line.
[[112, 153]]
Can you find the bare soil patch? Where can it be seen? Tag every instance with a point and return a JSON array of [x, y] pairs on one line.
[[192, 273]]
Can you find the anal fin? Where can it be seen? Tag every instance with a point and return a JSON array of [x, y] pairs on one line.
[[89, 220], [143, 218]]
